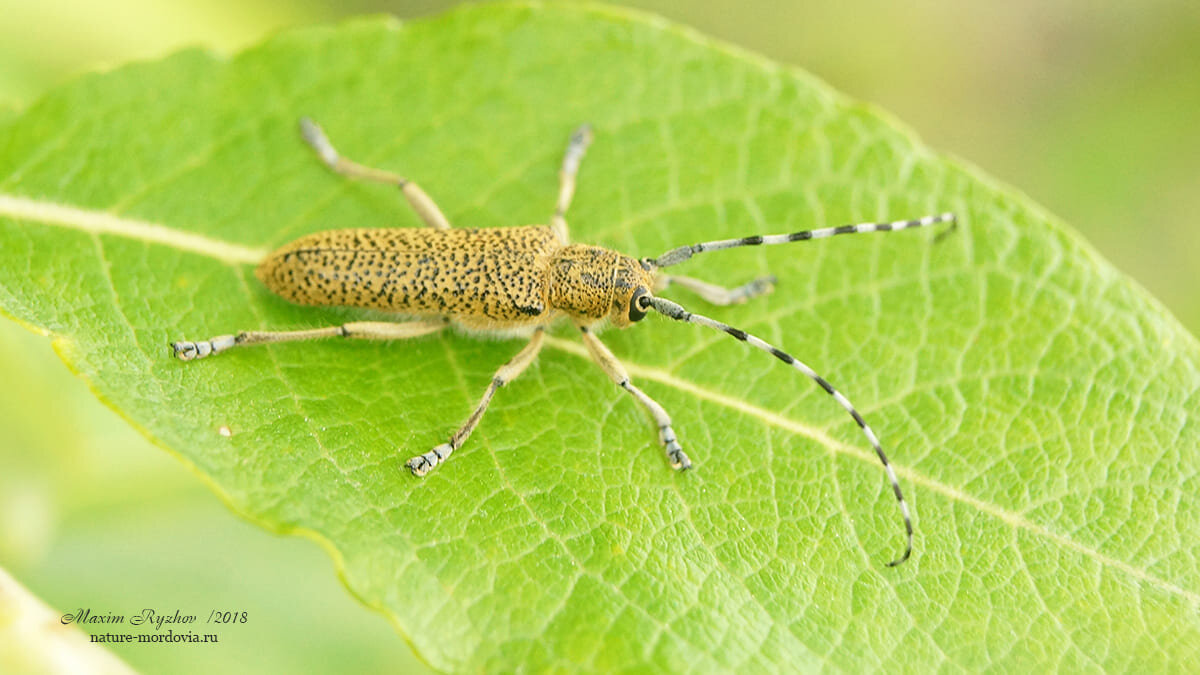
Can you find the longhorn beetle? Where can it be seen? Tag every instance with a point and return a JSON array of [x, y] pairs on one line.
[[514, 279]]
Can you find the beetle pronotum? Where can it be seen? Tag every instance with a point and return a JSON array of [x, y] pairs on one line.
[[511, 280]]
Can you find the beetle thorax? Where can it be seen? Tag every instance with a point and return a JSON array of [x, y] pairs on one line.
[[590, 283]]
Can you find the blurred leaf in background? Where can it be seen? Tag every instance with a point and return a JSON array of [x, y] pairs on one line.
[[93, 516], [34, 640], [42, 43]]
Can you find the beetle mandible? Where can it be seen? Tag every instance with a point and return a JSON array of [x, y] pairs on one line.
[[511, 280]]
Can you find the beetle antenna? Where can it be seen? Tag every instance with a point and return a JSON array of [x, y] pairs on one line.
[[677, 312], [678, 255]]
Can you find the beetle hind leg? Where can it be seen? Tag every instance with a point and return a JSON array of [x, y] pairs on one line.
[[423, 464], [190, 350]]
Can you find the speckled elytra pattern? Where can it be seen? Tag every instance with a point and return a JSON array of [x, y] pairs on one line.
[[500, 278]]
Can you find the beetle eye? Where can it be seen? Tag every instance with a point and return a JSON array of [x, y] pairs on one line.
[[637, 312]]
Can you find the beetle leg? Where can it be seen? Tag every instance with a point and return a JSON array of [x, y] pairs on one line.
[[422, 203], [187, 350], [719, 295], [613, 368], [423, 464], [577, 146]]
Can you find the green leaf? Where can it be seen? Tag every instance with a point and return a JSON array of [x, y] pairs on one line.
[[1040, 408], [93, 517]]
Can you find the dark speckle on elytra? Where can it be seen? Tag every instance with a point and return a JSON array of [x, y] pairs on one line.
[[485, 277]]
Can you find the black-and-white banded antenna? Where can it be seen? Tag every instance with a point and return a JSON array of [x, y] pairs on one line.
[[678, 255], [677, 312]]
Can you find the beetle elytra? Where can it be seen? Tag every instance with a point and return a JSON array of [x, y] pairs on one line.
[[511, 280]]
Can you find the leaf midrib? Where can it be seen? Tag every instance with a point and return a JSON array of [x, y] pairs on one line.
[[102, 222]]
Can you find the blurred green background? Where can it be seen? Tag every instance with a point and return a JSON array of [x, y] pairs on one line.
[[1090, 108]]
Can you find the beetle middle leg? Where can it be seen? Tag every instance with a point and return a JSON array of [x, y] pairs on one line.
[[719, 295], [613, 368], [576, 147], [422, 203], [187, 350], [423, 464]]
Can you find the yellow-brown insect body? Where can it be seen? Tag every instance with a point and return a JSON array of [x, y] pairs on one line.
[[486, 279], [589, 283]]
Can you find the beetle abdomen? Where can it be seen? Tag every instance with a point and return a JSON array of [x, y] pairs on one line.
[[489, 275]]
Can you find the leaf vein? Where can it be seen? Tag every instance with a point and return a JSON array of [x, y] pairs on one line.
[[1007, 516], [51, 213], [101, 222]]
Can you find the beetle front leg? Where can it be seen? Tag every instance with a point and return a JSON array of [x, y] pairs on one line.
[[613, 368]]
